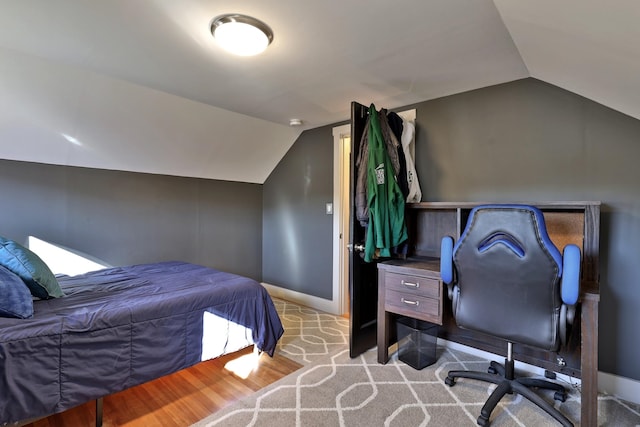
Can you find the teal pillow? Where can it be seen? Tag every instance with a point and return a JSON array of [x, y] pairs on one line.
[[30, 268], [16, 299]]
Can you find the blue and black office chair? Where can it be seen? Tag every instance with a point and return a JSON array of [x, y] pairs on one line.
[[507, 279]]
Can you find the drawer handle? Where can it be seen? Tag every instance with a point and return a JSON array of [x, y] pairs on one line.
[[410, 302], [411, 284]]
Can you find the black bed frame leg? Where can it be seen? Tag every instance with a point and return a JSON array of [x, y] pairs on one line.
[[99, 412]]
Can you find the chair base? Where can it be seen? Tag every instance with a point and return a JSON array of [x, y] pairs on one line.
[[508, 384]]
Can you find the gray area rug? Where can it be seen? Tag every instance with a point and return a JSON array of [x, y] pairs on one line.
[[334, 390]]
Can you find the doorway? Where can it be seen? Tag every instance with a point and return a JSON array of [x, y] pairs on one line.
[[341, 211]]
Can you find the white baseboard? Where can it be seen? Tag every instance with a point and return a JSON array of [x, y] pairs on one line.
[[621, 387], [328, 306], [521, 366]]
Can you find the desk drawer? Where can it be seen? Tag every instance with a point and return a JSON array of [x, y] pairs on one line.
[[413, 305], [416, 285]]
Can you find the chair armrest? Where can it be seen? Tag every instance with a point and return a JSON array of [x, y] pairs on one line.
[[570, 285], [446, 259]]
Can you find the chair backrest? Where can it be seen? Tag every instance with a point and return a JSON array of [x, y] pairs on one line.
[[508, 274]]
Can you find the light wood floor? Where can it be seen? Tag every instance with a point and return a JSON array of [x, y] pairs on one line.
[[180, 399]]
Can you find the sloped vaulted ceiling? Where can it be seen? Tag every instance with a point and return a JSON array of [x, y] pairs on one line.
[[588, 47], [142, 86]]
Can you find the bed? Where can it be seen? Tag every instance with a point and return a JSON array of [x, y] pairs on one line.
[[120, 327]]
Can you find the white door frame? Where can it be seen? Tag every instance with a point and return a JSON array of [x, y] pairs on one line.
[[341, 168]]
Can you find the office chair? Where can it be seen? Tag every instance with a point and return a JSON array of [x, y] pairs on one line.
[[507, 279]]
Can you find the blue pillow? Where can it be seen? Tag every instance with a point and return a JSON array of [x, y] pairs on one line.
[[16, 299], [30, 268]]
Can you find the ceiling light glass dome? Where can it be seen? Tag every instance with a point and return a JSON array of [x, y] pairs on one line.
[[241, 35]]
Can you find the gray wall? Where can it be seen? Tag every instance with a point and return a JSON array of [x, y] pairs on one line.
[[528, 140], [127, 218], [297, 232], [524, 140]]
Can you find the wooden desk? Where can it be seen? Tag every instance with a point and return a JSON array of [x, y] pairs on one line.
[[567, 222], [410, 288]]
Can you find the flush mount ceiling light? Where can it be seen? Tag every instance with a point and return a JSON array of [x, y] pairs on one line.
[[240, 34]]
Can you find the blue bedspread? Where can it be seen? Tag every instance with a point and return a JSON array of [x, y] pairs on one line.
[[120, 327]]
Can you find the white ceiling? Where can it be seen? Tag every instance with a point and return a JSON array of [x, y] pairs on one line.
[[141, 85]]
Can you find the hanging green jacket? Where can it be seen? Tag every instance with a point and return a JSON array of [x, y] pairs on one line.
[[386, 228]]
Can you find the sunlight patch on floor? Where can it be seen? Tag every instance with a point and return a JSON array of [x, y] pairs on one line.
[[244, 365]]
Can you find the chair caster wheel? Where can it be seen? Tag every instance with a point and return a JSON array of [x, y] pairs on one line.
[[449, 381], [560, 396], [482, 421], [492, 370]]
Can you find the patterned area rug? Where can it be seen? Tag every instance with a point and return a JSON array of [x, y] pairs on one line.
[[310, 335], [334, 390]]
